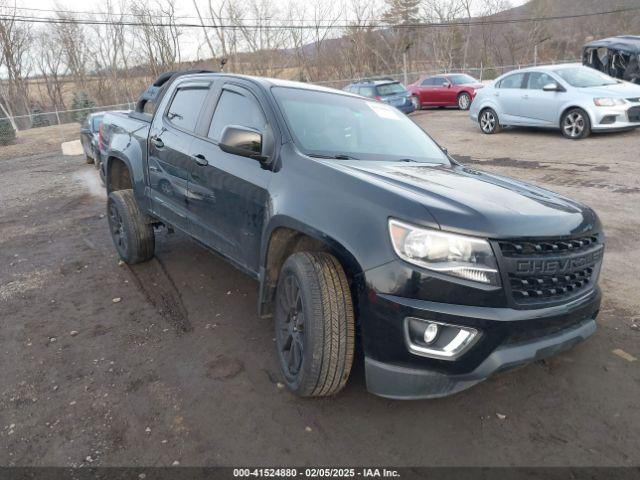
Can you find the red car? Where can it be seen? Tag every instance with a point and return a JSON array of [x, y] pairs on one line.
[[449, 90]]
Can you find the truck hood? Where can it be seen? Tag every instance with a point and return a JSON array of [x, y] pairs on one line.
[[464, 200]]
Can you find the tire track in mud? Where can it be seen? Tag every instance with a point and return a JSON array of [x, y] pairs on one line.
[[158, 287]]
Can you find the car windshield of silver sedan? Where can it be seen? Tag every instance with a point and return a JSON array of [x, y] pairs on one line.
[[345, 127], [462, 79], [583, 77]]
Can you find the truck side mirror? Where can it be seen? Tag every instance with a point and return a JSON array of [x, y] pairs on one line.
[[242, 141]]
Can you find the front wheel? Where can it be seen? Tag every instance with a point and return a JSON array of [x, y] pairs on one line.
[[314, 324], [464, 101], [131, 231], [488, 121], [575, 124]]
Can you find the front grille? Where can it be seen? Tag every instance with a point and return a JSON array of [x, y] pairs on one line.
[[544, 271], [634, 114], [533, 247], [549, 286]]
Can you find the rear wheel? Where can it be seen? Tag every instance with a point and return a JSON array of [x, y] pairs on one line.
[[131, 231], [488, 121], [575, 124], [314, 324], [464, 101]]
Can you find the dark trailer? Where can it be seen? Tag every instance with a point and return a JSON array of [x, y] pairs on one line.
[[618, 57]]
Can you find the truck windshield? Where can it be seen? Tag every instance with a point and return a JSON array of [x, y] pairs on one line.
[[336, 125]]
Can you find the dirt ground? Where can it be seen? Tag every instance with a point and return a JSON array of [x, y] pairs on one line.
[[102, 364]]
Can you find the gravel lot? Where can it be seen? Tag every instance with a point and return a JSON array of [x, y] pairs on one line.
[[103, 364]]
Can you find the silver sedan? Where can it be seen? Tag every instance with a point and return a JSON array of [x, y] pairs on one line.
[[577, 100]]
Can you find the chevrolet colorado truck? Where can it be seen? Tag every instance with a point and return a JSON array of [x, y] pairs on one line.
[[359, 229]]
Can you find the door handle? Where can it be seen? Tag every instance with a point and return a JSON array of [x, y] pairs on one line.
[[157, 141], [201, 160]]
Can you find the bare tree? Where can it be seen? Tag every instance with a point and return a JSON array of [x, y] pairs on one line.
[[158, 35], [49, 60], [15, 41]]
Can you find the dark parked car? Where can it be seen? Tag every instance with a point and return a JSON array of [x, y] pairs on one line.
[[618, 57], [386, 90], [450, 90], [89, 133], [358, 228]]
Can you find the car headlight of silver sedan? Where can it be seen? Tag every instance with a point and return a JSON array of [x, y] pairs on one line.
[[461, 256], [608, 102]]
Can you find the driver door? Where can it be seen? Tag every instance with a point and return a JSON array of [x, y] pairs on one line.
[[540, 107], [228, 197]]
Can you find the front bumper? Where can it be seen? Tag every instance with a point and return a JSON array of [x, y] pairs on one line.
[[619, 117], [397, 382], [510, 337]]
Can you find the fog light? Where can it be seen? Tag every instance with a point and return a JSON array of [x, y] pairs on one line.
[[430, 333], [440, 340]]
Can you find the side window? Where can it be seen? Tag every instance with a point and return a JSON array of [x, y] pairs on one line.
[[185, 107], [438, 81], [235, 109], [537, 80], [427, 82], [512, 81], [367, 91]]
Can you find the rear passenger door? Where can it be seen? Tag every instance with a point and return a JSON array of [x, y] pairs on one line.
[[228, 193], [509, 92], [169, 160]]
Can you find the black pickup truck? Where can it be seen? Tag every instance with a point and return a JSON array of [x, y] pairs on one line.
[[360, 230]]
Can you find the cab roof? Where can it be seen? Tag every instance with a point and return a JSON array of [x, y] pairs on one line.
[[624, 43]]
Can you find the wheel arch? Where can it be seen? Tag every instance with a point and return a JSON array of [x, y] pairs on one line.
[[118, 174], [566, 108], [492, 106], [286, 236]]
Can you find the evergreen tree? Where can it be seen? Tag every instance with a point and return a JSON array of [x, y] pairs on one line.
[[7, 133], [402, 12], [38, 117], [81, 100]]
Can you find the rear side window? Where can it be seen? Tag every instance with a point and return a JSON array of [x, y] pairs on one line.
[[185, 107], [390, 89], [235, 109], [512, 81], [367, 91]]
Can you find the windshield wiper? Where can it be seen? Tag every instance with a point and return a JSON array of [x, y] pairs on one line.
[[337, 156]]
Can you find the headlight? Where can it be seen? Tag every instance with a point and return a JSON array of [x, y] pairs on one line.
[[608, 102], [457, 255]]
